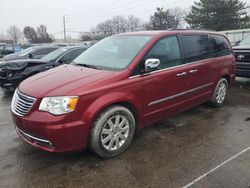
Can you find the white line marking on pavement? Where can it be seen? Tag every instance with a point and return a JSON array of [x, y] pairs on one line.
[[214, 169], [5, 106], [5, 122]]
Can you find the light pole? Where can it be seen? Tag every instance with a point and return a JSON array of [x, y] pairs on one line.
[[64, 29]]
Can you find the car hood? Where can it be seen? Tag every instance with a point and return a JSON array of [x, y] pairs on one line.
[[12, 57], [61, 81], [242, 47], [20, 64]]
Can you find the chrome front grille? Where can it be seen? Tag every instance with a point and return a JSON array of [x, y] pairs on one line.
[[3, 73], [242, 56], [21, 103]]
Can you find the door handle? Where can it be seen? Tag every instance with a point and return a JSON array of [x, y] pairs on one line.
[[193, 71], [49, 67], [181, 74]]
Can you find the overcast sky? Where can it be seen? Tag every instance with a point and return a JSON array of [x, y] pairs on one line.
[[81, 14]]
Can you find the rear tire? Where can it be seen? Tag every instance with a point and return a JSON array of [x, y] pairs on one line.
[[220, 93], [112, 132]]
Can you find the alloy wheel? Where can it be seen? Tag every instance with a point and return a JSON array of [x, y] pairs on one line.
[[221, 92], [115, 132]]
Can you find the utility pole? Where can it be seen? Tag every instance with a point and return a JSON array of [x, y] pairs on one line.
[[64, 29], [2, 35]]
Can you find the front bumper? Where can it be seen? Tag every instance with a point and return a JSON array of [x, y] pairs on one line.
[[243, 69], [10, 84], [52, 136], [243, 73], [35, 141]]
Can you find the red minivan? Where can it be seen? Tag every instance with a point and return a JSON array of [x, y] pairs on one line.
[[121, 84]]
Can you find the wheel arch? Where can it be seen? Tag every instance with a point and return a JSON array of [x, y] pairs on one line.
[[119, 98], [227, 77]]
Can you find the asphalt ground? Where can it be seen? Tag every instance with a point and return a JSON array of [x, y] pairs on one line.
[[202, 147]]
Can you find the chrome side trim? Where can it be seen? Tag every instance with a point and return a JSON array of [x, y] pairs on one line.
[[179, 94], [32, 137], [136, 76]]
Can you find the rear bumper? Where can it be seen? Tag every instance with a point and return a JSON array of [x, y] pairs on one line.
[[52, 137]]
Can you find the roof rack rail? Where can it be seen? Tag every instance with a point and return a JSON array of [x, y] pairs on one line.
[[176, 29], [171, 29]]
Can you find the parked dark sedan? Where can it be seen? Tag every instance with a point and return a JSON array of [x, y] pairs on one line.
[[242, 55], [32, 53], [13, 72]]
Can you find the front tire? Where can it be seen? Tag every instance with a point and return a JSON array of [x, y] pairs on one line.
[[112, 132], [220, 93]]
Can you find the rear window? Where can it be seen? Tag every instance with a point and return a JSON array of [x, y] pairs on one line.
[[196, 47], [44, 51], [219, 45], [9, 48]]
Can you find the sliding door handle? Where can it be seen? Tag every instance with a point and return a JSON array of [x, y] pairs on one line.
[[181, 74], [193, 71]]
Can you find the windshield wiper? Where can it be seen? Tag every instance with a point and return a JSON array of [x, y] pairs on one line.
[[88, 66]]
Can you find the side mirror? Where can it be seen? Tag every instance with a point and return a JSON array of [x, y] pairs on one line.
[[237, 43], [63, 61], [152, 64], [30, 56]]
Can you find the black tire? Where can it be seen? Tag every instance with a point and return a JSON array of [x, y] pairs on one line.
[[215, 101], [97, 135]]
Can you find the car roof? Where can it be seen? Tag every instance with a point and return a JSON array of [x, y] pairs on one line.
[[73, 47], [40, 47], [170, 31]]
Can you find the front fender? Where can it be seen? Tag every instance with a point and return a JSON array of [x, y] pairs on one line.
[[104, 101]]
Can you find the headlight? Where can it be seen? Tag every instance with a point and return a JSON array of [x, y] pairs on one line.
[[58, 105], [9, 74]]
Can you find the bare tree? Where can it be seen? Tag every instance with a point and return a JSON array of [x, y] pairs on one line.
[[105, 28], [14, 33], [179, 15], [134, 23], [115, 25], [119, 24], [86, 36]]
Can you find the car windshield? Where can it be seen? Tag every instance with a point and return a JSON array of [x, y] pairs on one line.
[[113, 53], [245, 41], [26, 51], [54, 54]]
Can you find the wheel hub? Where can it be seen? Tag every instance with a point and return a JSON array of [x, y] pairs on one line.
[[115, 132]]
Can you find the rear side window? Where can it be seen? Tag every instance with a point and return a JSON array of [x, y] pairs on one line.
[[167, 50], [219, 45], [44, 51], [196, 47]]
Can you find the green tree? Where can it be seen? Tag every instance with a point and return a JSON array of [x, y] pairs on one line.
[[30, 34], [163, 19], [218, 15], [39, 36], [43, 35]]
